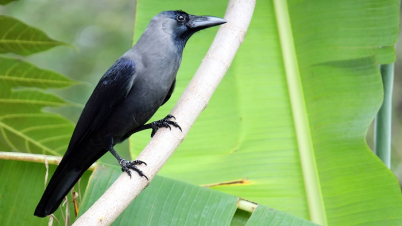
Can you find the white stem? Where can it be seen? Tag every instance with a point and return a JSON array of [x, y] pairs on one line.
[[39, 158], [246, 205], [192, 102], [28, 157]]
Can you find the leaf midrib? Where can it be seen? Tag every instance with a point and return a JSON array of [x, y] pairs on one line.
[[6, 41], [47, 81], [18, 133], [300, 118]]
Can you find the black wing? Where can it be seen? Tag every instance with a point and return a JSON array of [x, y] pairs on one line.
[[170, 92], [112, 88]]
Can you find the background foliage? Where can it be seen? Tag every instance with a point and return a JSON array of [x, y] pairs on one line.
[[247, 132]]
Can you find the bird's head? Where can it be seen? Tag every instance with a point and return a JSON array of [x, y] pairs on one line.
[[181, 25]]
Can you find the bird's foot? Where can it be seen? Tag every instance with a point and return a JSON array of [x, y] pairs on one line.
[[127, 165], [164, 123]]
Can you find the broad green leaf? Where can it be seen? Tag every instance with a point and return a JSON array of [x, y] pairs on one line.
[[24, 127], [247, 133], [165, 202], [21, 189], [19, 38], [170, 202], [267, 216]]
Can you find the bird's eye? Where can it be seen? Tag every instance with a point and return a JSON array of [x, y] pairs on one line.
[[180, 18]]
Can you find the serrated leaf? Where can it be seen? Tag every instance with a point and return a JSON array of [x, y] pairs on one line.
[[24, 126], [20, 38]]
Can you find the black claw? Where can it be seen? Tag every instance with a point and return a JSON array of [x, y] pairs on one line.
[[127, 171], [139, 162], [127, 165], [170, 116], [174, 124], [164, 123]]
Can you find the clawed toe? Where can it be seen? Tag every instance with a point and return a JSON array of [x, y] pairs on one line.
[[127, 165], [166, 123]]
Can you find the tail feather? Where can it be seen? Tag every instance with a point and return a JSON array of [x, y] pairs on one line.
[[69, 171]]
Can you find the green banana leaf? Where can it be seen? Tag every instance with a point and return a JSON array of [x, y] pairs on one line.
[[170, 202], [246, 143], [262, 124], [23, 184], [268, 216]]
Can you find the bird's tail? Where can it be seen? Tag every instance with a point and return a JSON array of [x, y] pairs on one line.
[[69, 171]]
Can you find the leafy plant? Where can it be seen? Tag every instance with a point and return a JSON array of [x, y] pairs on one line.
[[270, 138], [252, 140], [168, 201], [24, 126]]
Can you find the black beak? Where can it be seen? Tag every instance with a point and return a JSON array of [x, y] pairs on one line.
[[202, 22]]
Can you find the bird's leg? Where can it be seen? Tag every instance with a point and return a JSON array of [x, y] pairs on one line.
[[155, 126], [127, 165]]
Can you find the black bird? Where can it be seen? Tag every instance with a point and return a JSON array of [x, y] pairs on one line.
[[126, 97]]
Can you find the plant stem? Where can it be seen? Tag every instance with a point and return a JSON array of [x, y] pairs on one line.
[[384, 117], [38, 158]]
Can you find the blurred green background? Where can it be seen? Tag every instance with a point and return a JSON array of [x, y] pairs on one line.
[[101, 31]]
